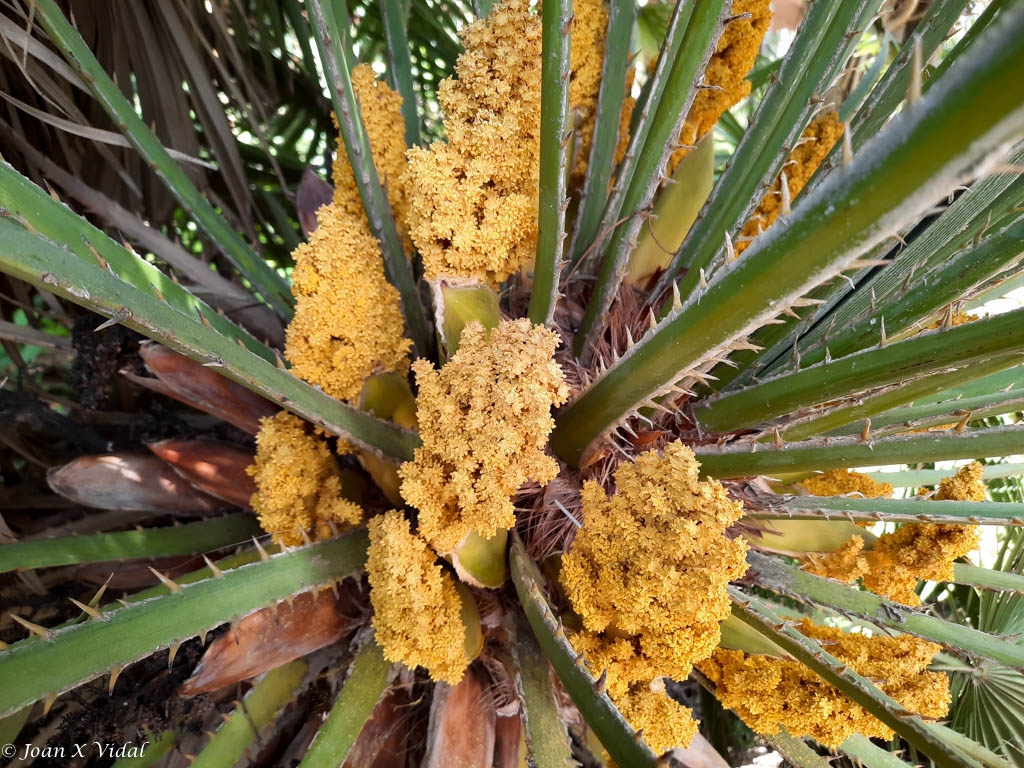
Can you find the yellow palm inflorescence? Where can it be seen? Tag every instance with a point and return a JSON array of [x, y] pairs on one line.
[[837, 482], [590, 21], [814, 146], [847, 563], [726, 73], [381, 110], [647, 575], [918, 551], [769, 693], [348, 320], [913, 552], [484, 419], [474, 211], [348, 325], [297, 481], [417, 608]]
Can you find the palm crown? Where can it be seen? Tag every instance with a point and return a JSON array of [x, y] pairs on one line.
[[644, 354]]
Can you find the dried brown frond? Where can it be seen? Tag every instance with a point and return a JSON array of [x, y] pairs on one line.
[[543, 515]]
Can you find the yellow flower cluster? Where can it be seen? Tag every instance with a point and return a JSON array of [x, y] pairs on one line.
[[897, 560], [484, 419], [347, 326], [815, 144], [726, 72], [381, 109], [965, 485], [589, 26], [924, 550], [417, 609], [348, 320], [634, 683], [297, 483], [842, 481], [649, 570], [770, 693], [846, 564], [474, 212]]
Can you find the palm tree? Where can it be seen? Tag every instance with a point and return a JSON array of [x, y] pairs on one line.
[[647, 350]]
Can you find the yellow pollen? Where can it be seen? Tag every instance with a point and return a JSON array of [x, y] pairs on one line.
[[484, 419], [297, 482], [473, 200], [647, 575], [417, 608]]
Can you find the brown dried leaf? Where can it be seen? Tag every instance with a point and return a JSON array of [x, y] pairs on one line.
[[383, 742], [271, 637], [508, 741], [189, 382], [462, 726], [131, 482], [214, 467], [313, 192]]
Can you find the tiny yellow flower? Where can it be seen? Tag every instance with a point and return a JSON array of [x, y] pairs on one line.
[[816, 142], [484, 419], [770, 693], [381, 109], [473, 200], [418, 613], [634, 681], [838, 482], [726, 72], [919, 551], [647, 575], [589, 25], [348, 321], [297, 482], [846, 564]]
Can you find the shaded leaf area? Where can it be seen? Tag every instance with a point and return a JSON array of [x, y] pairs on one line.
[[359, 700], [259, 90], [60, 659], [243, 727]]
